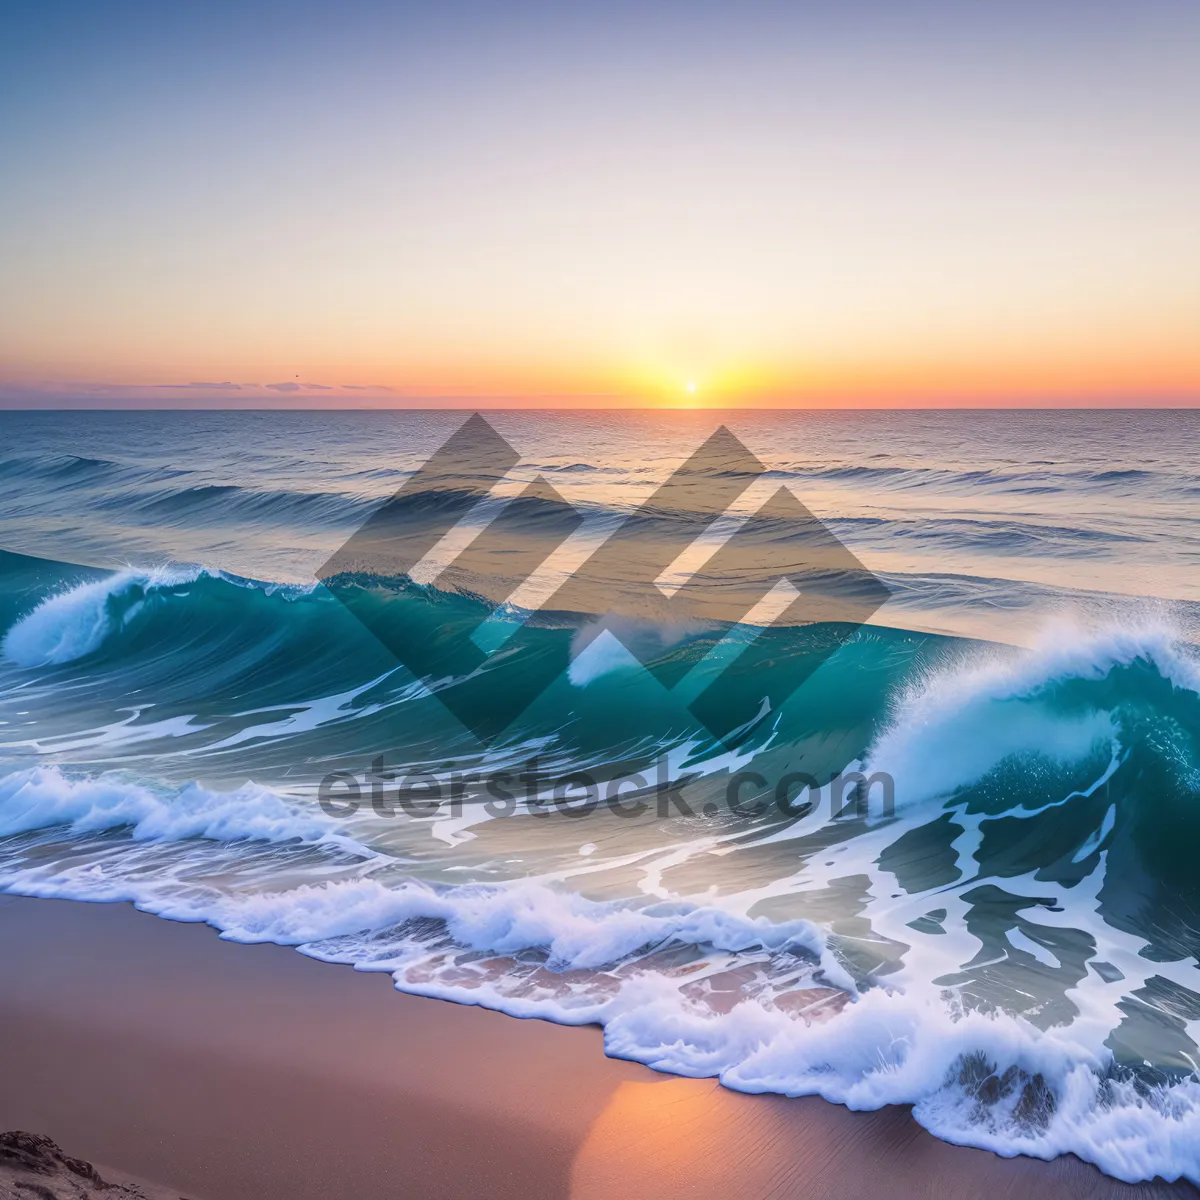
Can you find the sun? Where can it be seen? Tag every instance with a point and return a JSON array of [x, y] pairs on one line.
[[690, 387]]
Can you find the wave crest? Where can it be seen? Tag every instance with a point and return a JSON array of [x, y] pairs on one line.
[[955, 724]]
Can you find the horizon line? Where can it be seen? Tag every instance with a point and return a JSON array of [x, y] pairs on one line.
[[1192, 405]]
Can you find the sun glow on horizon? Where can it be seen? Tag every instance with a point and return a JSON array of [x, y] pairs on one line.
[[809, 219]]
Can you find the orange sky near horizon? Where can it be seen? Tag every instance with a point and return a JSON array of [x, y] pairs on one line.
[[699, 205]]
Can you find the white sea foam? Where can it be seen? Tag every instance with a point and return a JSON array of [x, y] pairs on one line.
[[531, 949], [892, 1048], [76, 622], [884, 1047], [951, 728], [349, 920], [44, 797]]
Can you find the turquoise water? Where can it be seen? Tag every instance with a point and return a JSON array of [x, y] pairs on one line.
[[1002, 933]]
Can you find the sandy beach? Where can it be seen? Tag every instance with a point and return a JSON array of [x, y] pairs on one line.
[[532, 532], [229, 1072]]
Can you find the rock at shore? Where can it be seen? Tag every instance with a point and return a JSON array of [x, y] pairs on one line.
[[35, 1168]]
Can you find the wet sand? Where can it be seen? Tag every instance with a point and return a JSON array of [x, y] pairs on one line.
[[229, 1072]]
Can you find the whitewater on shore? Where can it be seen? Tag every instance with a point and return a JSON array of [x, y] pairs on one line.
[[1009, 945]]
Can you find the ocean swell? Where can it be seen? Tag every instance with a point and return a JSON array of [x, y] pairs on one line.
[[1005, 952]]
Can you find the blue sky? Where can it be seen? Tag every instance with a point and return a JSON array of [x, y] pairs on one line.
[[781, 203]]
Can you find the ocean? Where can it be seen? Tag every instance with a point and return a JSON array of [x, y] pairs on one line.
[[952, 869]]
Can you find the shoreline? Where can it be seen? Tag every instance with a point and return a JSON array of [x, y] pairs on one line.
[[232, 1072]]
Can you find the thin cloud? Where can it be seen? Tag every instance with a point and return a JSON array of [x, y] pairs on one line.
[[214, 387]]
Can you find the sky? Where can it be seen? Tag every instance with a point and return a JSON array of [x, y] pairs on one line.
[[842, 203]]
